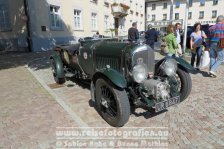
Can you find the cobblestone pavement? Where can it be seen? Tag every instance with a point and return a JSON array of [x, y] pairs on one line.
[[28, 114], [198, 122]]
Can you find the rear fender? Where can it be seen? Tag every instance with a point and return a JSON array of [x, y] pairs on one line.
[[59, 65], [111, 74]]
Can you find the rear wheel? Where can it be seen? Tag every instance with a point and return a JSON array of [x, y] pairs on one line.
[[112, 104], [54, 71]]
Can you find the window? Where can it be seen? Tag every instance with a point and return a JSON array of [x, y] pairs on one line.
[[106, 3], [55, 17], [164, 5], [202, 2], [215, 2], [153, 6], [176, 16], [177, 4], [78, 19], [214, 13], [94, 1], [148, 16], [190, 3], [4, 18], [94, 21], [201, 14], [153, 17], [189, 15], [164, 16], [106, 22]]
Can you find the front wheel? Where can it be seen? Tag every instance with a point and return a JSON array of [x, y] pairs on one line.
[[185, 82], [112, 104]]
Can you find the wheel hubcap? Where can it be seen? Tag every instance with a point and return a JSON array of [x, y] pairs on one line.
[[108, 103]]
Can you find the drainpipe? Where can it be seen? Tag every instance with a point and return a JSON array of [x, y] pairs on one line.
[[185, 25], [29, 42], [171, 11], [146, 14]]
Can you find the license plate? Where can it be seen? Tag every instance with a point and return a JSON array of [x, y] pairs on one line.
[[165, 104]]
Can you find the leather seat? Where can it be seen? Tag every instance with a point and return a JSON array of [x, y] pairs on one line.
[[73, 49]]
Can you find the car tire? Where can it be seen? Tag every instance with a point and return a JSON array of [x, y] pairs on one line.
[[186, 83], [116, 108], [54, 71], [59, 80]]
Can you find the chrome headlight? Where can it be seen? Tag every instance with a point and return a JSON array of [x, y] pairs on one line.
[[169, 67], [139, 72]]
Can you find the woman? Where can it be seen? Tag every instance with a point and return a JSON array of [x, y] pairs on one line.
[[171, 41], [196, 44]]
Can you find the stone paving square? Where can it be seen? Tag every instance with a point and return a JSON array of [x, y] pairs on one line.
[[30, 115]]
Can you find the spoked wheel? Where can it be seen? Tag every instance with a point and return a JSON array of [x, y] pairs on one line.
[[112, 104], [54, 71], [185, 84]]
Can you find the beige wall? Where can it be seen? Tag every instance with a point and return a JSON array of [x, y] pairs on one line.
[[181, 10], [39, 12], [208, 8], [42, 18], [87, 7]]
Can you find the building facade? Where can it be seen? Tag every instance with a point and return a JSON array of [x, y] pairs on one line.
[[160, 12], [41, 24]]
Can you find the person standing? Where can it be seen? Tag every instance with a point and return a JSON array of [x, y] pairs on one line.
[[216, 33], [171, 41], [196, 44], [178, 38], [151, 36], [96, 36], [133, 34]]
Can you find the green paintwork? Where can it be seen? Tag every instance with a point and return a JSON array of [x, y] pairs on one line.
[[114, 76], [59, 65], [181, 61], [184, 63], [110, 47], [86, 63], [100, 49], [131, 48]]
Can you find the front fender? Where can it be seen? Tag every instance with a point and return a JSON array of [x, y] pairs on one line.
[[59, 65], [114, 76], [180, 61], [184, 63]]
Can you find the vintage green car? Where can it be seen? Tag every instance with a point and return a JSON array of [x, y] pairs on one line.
[[123, 76]]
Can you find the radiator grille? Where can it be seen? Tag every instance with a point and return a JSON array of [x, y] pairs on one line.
[[102, 62], [148, 58]]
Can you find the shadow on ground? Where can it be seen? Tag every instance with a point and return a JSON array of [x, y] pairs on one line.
[[203, 73], [148, 113], [34, 60], [85, 84]]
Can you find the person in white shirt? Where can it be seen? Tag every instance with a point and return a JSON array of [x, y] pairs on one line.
[[96, 36], [177, 34]]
